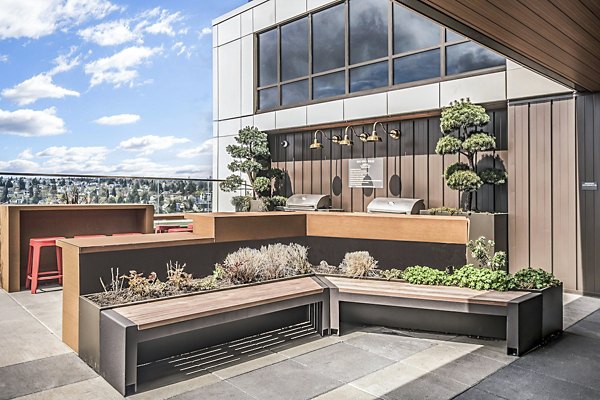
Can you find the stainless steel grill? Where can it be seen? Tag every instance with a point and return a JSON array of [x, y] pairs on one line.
[[395, 205], [308, 202]]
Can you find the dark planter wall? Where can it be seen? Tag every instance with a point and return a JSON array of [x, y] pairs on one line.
[[411, 167]]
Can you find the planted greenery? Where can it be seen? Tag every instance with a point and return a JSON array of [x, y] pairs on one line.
[[461, 125], [482, 250], [445, 210], [535, 278], [393, 273], [359, 264], [480, 279], [419, 275]]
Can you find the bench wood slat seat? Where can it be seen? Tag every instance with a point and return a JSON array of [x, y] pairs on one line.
[[514, 316], [190, 320], [169, 311]]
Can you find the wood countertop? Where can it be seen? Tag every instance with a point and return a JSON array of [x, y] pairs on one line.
[[114, 243], [42, 207]]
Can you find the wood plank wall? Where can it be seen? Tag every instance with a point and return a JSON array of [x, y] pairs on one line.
[[543, 187], [411, 167]]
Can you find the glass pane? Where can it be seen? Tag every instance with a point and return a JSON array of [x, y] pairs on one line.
[[329, 30], [294, 93], [470, 56], [268, 98], [417, 67], [369, 77], [412, 31], [329, 85], [368, 30], [267, 58], [452, 36], [294, 49]]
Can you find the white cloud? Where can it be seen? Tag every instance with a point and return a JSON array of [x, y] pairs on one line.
[[179, 47], [120, 68], [149, 144], [3, 58], [110, 33], [19, 166], [26, 154], [42, 86], [36, 18], [165, 22], [58, 155], [120, 119], [31, 123], [204, 149], [204, 32], [38, 87]]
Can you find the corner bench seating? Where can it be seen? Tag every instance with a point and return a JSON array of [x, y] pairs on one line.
[[124, 328], [514, 316], [324, 301]]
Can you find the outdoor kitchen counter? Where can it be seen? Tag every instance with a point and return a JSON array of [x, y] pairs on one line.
[[225, 227], [19, 223]]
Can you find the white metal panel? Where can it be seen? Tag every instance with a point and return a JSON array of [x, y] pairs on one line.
[[264, 15], [291, 118], [522, 82], [374, 105], [229, 30], [480, 89], [248, 121], [224, 158], [286, 9], [418, 98], [247, 75], [215, 84], [312, 4], [230, 72], [230, 127], [331, 111], [265, 121], [247, 24], [215, 35]]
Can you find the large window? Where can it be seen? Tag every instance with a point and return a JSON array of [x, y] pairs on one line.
[[357, 46]]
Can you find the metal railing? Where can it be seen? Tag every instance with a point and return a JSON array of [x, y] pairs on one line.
[[168, 195]]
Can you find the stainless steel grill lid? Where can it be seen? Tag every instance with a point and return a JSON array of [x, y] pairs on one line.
[[308, 202], [395, 205]]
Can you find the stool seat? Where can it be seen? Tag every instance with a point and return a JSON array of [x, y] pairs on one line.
[[174, 230], [34, 275]]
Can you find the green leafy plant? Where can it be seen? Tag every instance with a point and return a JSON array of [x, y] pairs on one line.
[[271, 203], [393, 273], [251, 158], [445, 210], [493, 176], [480, 279], [358, 264], [241, 203], [482, 250], [535, 278], [461, 125], [419, 275]]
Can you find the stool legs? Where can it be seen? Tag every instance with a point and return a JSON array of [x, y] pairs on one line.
[[35, 269], [29, 265], [59, 264]]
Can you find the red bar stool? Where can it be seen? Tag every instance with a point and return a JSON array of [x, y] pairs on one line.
[[162, 228], [33, 263], [174, 230]]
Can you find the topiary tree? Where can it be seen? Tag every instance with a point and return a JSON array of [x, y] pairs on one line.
[[461, 125], [252, 158]]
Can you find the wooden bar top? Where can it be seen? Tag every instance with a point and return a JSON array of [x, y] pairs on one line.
[[152, 240], [43, 207], [169, 311], [424, 292]]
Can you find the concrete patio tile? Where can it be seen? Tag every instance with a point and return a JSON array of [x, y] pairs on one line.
[[346, 392], [388, 379], [248, 366], [178, 388], [595, 317], [438, 337], [490, 348], [91, 389], [46, 307], [294, 349], [476, 394], [469, 369], [285, 380], [221, 390], [436, 357], [343, 362], [390, 345], [587, 328], [518, 383], [35, 376], [429, 386]]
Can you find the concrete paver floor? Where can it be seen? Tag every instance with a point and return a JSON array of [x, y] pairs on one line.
[[366, 363]]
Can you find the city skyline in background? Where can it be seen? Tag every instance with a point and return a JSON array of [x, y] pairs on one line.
[[104, 87]]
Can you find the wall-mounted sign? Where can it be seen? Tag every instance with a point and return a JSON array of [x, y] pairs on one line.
[[589, 186], [366, 173]]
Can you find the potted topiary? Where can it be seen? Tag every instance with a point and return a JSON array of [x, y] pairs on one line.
[[462, 126], [252, 158]]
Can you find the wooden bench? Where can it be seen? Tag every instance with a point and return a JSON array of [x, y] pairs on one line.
[[514, 316], [124, 330]]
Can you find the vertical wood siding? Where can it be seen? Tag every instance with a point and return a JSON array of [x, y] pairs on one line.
[[411, 167], [542, 188]]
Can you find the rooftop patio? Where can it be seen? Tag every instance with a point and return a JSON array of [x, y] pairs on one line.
[[365, 363]]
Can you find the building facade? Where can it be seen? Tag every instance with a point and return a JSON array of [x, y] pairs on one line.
[[292, 67]]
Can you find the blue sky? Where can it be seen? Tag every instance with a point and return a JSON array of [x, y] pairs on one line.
[[116, 87]]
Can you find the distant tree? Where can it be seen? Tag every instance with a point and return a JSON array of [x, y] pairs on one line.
[[113, 192], [120, 199]]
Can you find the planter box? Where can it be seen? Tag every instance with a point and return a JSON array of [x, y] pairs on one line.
[[552, 314]]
